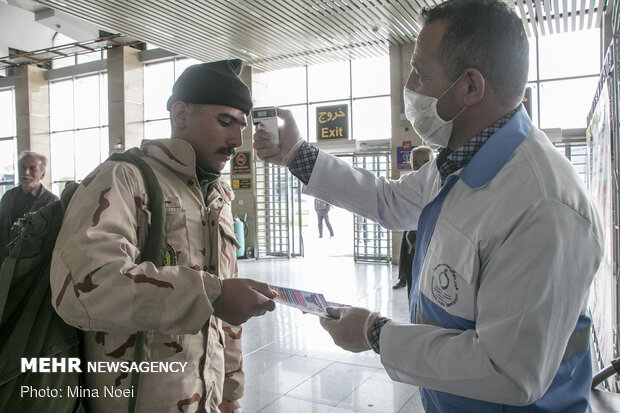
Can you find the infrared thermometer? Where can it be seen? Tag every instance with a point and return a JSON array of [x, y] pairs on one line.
[[268, 120]]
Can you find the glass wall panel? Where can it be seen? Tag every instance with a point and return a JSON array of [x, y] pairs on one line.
[[87, 101], [8, 156], [329, 81], [62, 160], [103, 98], [280, 87], [78, 127], [534, 101], [104, 143], [87, 152], [566, 103], [570, 54], [372, 119], [7, 113], [61, 105], [182, 64], [158, 81], [157, 129], [8, 161], [532, 73], [300, 114], [371, 76]]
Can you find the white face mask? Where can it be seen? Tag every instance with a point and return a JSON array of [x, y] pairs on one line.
[[421, 111]]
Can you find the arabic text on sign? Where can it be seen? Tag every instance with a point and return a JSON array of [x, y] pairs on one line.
[[325, 117]]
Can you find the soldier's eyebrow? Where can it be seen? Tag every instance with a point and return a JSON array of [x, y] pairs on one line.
[[233, 119]]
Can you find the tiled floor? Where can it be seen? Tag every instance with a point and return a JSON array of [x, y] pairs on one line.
[[291, 363]]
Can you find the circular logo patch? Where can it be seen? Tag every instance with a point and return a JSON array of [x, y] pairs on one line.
[[445, 287]]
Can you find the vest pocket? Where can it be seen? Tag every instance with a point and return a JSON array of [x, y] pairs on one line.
[[450, 271], [177, 235]]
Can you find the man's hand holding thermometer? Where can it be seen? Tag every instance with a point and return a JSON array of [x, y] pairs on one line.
[[273, 144]]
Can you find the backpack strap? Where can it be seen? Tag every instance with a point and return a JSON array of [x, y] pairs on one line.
[[154, 246]]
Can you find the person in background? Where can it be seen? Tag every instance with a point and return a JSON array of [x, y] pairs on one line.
[[419, 156], [322, 213], [508, 241], [29, 196], [191, 308]]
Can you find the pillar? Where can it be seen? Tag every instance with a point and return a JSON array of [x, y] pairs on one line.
[[245, 199], [125, 98], [32, 112]]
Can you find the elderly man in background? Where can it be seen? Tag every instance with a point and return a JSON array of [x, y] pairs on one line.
[[29, 196]]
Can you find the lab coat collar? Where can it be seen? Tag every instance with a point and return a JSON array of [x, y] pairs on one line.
[[494, 154]]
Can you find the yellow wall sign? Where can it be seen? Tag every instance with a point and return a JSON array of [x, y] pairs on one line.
[[242, 183], [332, 122]]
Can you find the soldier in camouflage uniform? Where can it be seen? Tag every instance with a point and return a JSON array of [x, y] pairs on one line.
[[99, 287]]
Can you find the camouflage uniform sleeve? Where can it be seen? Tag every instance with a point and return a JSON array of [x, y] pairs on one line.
[[96, 283]]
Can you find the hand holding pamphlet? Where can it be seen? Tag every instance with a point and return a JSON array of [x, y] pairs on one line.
[[307, 302]]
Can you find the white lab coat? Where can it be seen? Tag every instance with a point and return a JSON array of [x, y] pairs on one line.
[[524, 241]]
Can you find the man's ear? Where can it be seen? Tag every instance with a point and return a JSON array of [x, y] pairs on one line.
[[179, 113], [476, 85]]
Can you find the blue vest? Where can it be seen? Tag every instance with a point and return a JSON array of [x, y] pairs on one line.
[[569, 392]]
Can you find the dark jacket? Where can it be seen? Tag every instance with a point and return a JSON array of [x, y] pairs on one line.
[[321, 205], [8, 215]]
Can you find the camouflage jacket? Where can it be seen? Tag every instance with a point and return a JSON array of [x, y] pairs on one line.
[[99, 287]]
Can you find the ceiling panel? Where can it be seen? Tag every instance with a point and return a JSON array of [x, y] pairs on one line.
[[274, 34], [267, 34]]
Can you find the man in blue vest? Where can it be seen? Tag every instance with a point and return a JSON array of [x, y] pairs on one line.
[[508, 239]]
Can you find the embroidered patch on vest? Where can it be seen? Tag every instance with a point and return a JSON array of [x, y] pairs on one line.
[[170, 256], [445, 288]]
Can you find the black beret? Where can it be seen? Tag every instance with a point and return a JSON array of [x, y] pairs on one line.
[[215, 83]]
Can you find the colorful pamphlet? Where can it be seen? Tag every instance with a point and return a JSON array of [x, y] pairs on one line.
[[307, 302]]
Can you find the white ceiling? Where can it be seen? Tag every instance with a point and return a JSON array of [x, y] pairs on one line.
[[272, 34]]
